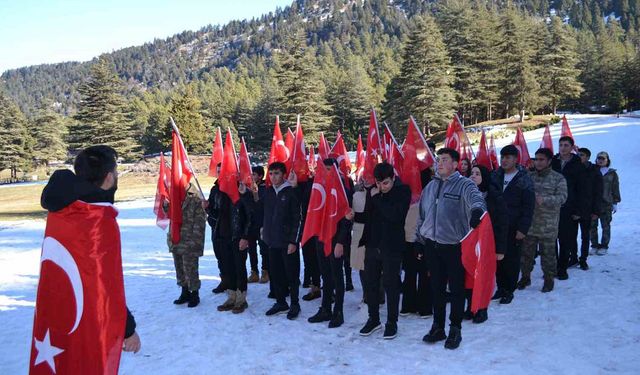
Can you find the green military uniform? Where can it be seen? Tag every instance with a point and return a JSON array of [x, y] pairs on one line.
[[191, 245], [610, 196], [552, 187]]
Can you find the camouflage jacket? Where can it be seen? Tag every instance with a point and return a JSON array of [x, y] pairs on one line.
[[552, 187], [610, 189], [193, 227]]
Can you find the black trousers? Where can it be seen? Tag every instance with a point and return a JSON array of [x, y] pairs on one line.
[[346, 262], [445, 264], [416, 285], [253, 254], [235, 262], [508, 269], [585, 236], [285, 273], [332, 279], [567, 239], [219, 245], [379, 266], [310, 260]]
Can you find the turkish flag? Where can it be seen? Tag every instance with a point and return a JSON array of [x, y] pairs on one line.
[[180, 176], [244, 165], [299, 163], [228, 179], [80, 312], [493, 154], [313, 162], [566, 132], [547, 142], [162, 194], [323, 147], [482, 157], [374, 149], [416, 139], [479, 261], [316, 208], [360, 157], [216, 154], [288, 143], [411, 165], [386, 140], [396, 158], [340, 153], [523, 152], [337, 207], [279, 151]]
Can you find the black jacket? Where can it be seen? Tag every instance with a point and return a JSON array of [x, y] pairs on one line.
[[64, 188], [281, 224], [241, 217], [258, 212], [497, 208], [574, 172], [219, 213], [520, 198], [593, 189], [385, 218]]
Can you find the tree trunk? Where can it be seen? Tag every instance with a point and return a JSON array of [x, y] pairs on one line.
[[522, 115]]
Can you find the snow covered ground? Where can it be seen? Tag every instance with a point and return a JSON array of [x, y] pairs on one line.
[[588, 325]]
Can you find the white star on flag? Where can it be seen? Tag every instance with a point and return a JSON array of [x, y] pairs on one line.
[[46, 352]]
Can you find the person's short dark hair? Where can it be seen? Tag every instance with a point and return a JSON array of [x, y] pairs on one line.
[[486, 177], [546, 152], [566, 138], [278, 166], [259, 170], [605, 155], [94, 163], [383, 170], [585, 151], [329, 162], [455, 155], [509, 150]]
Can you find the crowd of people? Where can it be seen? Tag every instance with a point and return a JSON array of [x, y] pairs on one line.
[[408, 256]]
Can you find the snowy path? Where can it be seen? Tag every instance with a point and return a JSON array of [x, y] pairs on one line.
[[587, 325]]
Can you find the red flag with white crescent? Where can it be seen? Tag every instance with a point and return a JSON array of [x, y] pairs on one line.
[[228, 179], [337, 207], [244, 165], [317, 206], [479, 261], [180, 176], [482, 157], [360, 157], [340, 153], [216, 154], [80, 313], [523, 152], [374, 148], [299, 163], [162, 194]]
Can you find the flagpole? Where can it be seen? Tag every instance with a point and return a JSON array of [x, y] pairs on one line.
[[175, 129]]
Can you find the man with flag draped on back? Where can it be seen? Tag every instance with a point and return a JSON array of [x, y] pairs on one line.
[[81, 321]]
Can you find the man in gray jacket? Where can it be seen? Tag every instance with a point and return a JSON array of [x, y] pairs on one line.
[[449, 206]]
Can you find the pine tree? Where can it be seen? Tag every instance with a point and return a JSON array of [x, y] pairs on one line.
[[102, 117], [425, 82], [185, 110], [48, 131], [559, 65], [14, 137]]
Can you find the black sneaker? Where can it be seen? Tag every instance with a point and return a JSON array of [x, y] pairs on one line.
[[221, 288], [425, 315], [321, 316], [435, 334], [370, 327], [406, 312], [349, 287], [481, 316], [506, 299], [271, 295], [337, 320], [294, 311], [454, 339], [562, 275], [572, 262], [583, 265], [498, 294], [390, 331], [468, 315], [277, 308]]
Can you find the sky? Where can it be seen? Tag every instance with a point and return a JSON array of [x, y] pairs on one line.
[[50, 31]]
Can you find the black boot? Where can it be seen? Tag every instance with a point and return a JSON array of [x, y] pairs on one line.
[[348, 286], [481, 316], [321, 316], [194, 299], [498, 294], [506, 298], [435, 334], [337, 320], [221, 288], [184, 297], [454, 339]]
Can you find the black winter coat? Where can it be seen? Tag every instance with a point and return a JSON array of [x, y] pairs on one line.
[[219, 213], [385, 216], [574, 172], [497, 208], [593, 189], [241, 216], [520, 198], [281, 225]]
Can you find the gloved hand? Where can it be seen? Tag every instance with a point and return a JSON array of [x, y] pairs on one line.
[[475, 218], [614, 209]]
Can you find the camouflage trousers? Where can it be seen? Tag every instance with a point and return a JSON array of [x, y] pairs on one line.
[[605, 223], [187, 271], [547, 254]]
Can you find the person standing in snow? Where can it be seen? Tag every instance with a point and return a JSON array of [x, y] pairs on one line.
[[384, 239], [609, 201], [551, 192], [219, 218], [591, 206], [449, 206], [257, 174], [190, 248], [281, 231], [518, 193], [572, 210]]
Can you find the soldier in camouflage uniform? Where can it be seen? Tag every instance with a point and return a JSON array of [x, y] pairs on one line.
[[551, 193], [190, 248]]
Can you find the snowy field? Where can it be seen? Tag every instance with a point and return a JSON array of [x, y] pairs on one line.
[[588, 325]]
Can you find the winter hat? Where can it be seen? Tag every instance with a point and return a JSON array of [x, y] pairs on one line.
[[509, 150]]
